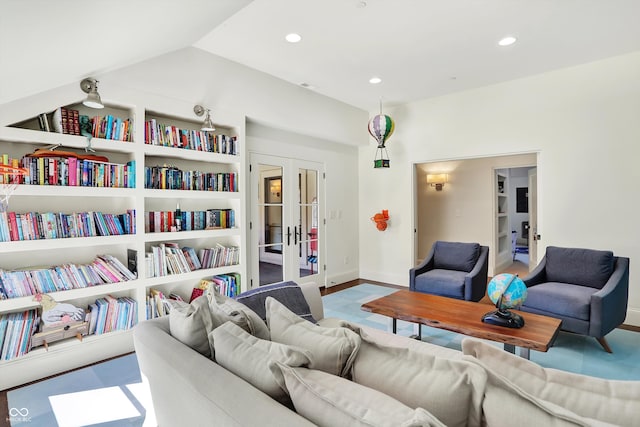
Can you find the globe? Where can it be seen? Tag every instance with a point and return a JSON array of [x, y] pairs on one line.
[[510, 287]]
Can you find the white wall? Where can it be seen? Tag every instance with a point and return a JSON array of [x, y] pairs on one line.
[[584, 122]]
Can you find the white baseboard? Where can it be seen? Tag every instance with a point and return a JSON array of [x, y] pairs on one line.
[[345, 276], [633, 317], [392, 279]]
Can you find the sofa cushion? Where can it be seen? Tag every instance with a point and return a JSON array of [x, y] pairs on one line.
[[332, 349], [447, 283], [331, 401], [452, 390], [254, 324], [561, 298], [191, 323], [586, 267], [288, 293], [455, 255], [610, 401], [253, 359]]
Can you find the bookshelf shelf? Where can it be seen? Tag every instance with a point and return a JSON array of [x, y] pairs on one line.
[[18, 140]]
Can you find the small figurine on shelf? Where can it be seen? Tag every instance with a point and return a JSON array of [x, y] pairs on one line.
[[59, 321]]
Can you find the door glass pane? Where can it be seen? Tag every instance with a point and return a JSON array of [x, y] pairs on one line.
[[308, 226], [270, 249]]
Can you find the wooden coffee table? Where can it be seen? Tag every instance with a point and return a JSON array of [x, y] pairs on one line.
[[465, 317]]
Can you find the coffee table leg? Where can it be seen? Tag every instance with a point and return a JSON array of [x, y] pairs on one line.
[[522, 351], [394, 325]]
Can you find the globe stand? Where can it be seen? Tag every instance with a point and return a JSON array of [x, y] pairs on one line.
[[504, 318]]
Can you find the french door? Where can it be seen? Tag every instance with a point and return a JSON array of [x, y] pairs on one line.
[[286, 232]]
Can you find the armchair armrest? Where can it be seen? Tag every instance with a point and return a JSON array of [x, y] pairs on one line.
[[425, 265], [609, 304], [475, 282], [537, 275]]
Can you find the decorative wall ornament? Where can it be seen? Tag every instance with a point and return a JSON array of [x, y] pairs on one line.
[[381, 127], [381, 219]]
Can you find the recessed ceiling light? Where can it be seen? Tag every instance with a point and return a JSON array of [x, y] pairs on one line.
[[293, 38], [375, 80], [507, 41]]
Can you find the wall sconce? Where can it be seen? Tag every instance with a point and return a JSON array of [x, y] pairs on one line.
[[437, 180], [90, 87], [207, 125], [275, 187]]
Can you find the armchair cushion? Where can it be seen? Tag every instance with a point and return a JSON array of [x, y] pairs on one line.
[[561, 298], [447, 283], [585, 267], [456, 255]]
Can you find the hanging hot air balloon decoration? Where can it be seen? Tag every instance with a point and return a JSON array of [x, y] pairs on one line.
[[381, 127]]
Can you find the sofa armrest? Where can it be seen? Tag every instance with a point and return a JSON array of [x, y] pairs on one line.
[[189, 389], [311, 293], [609, 304], [425, 265], [537, 275]]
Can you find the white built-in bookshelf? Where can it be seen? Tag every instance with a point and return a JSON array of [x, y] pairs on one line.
[[155, 212]]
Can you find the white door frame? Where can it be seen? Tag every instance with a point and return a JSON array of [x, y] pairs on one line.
[[291, 243]]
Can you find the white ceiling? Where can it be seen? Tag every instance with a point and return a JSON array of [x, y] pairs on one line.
[[420, 48]]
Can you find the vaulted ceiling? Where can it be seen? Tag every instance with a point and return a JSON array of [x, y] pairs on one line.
[[418, 48]]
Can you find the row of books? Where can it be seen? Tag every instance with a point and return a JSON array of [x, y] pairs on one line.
[[227, 284], [159, 304], [75, 172], [164, 221], [169, 258], [102, 270], [110, 127], [110, 314], [16, 330], [69, 121], [10, 178], [172, 136], [51, 225], [172, 178]]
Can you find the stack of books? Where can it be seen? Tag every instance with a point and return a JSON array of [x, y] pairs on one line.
[[163, 221], [169, 258], [172, 136], [159, 304], [76, 172], [172, 178]]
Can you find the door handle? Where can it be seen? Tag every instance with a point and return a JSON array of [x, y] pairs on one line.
[[295, 235], [288, 236]]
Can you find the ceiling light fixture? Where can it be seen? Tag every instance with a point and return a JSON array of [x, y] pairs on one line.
[[207, 125], [90, 87], [507, 41], [293, 38], [375, 80]]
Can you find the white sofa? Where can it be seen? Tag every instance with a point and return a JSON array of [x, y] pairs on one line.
[[482, 385]]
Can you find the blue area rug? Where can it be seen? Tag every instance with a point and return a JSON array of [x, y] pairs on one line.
[[570, 352]]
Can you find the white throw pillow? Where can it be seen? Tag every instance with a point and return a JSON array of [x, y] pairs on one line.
[[332, 349], [331, 401], [191, 323]]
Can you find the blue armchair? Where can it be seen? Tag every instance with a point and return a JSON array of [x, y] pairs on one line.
[[454, 270], [587, 289]]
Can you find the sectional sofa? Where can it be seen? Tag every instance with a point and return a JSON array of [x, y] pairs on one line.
[[215, 362]]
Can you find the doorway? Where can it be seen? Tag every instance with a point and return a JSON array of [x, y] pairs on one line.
[[464, 208], [286, 238]]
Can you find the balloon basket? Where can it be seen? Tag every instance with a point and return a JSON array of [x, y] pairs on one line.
[[381, 162]]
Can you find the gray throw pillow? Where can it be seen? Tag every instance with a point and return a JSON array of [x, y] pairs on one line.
[[254, 359], [611, 401], [452, 390], [585, 267], [330, 401], [191, 323], [332, 349]]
